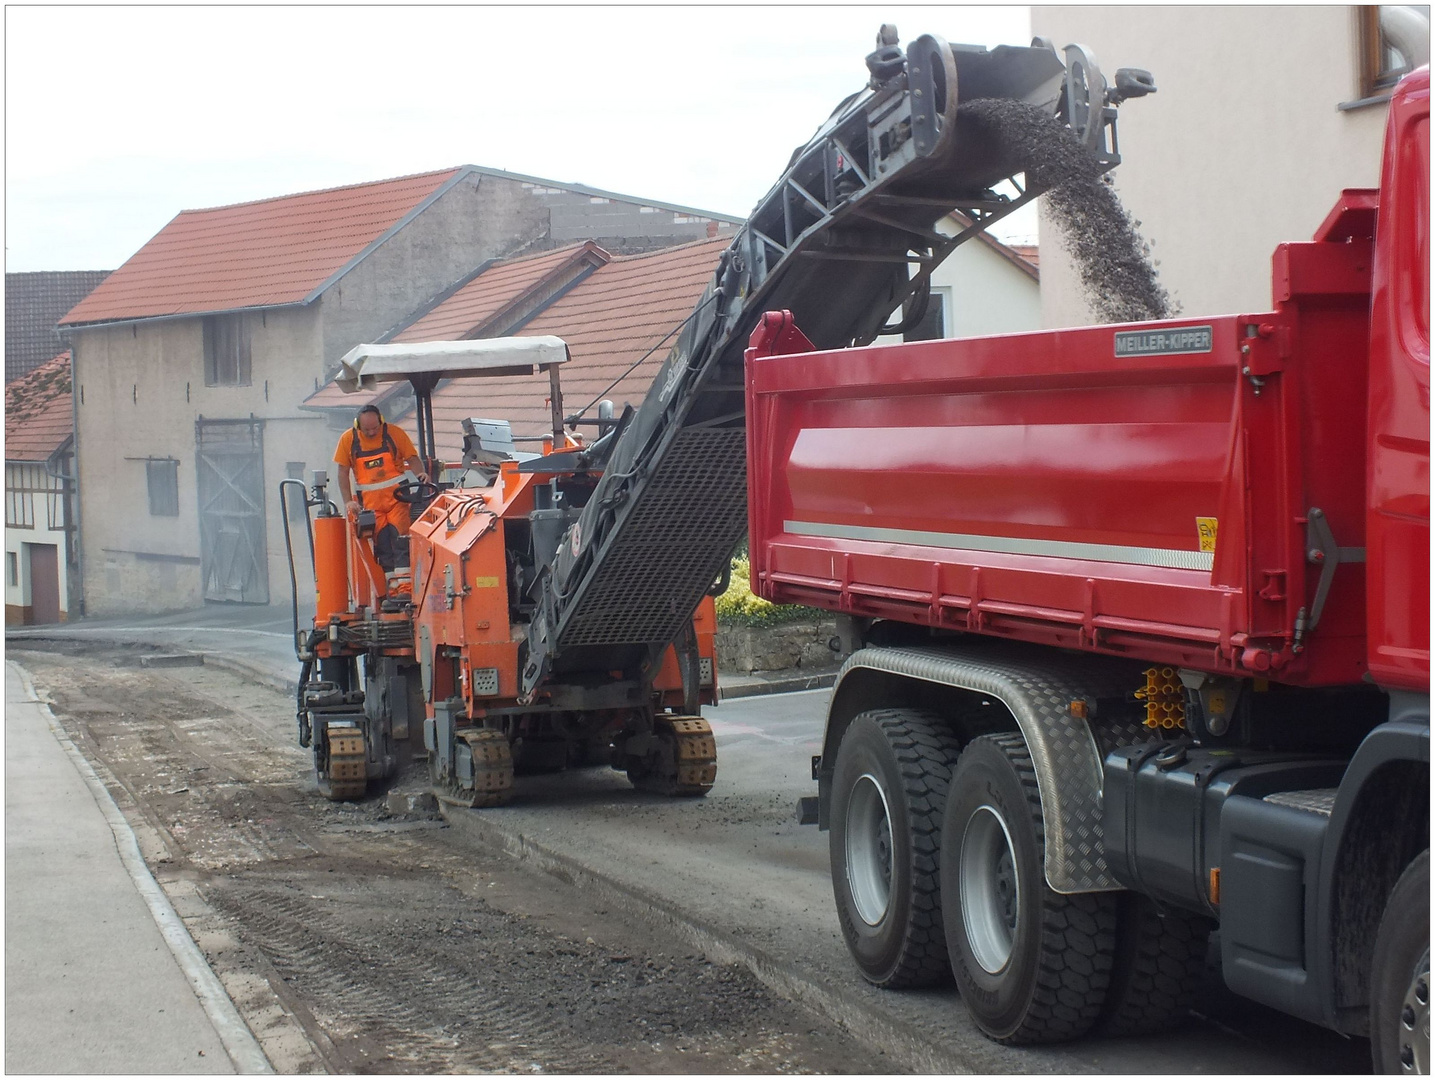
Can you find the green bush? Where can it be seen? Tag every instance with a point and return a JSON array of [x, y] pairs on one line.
[[738, 606]]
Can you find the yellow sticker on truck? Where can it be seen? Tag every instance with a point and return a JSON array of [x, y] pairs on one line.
[[1206, 532]]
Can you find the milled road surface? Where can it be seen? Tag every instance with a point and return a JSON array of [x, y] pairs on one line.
[[354, 941]]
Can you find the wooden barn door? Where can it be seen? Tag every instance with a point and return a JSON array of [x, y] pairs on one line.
[[233, 553], [44, 583]]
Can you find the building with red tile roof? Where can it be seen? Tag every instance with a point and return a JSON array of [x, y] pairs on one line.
[[495, 300], [39, 553], [264, 254], [192, 361], [619, 316], [38, 418], [619, 320], [619, 324]]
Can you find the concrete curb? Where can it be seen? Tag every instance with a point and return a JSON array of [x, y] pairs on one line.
[[238, 1041], [909, 1048], [784, 685]]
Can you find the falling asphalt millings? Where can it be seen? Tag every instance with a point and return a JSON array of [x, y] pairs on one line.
[[1114, 262]]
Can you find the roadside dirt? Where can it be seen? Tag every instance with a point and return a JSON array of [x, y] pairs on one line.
[[355, 940]]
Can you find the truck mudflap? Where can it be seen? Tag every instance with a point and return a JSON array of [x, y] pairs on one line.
[[1066, 751]]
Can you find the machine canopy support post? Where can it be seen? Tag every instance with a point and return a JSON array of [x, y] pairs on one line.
[[555, 397], [423, 387]]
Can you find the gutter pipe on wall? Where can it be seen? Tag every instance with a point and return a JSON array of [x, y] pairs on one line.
[[69, 485], [74, 588]]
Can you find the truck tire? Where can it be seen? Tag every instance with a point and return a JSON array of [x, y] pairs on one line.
[[888, 788], [1031, 965], [1157, 966], [1400, 976]]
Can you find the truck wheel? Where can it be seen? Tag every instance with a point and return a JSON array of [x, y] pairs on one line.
[[887, 793], [1032, 965], [1156, 972], [1400, 976]]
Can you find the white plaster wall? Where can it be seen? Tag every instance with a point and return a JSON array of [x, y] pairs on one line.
[[481, 217], [989, 294], [19, 595], [1242, 146], [984, 294], [140, 390]]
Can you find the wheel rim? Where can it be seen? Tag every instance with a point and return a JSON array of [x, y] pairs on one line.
[[869, 850], [1415, 1021], [990, 892]]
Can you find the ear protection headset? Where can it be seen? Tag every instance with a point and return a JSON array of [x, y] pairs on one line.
[[368, 409]]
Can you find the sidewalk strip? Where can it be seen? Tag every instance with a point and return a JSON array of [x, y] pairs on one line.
[[239, 1042], [59, 632]]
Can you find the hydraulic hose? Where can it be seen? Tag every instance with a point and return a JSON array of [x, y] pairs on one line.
[[284, 485]]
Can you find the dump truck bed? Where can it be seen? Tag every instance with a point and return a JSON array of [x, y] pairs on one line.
[[1151, 490]]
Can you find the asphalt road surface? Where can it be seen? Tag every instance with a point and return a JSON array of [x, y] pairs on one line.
[[585, 927]]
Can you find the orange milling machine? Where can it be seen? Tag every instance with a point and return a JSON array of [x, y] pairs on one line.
[[425, 661]]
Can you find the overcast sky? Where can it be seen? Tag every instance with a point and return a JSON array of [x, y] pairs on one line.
[[118, 118]]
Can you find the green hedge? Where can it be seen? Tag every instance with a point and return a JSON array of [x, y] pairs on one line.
[[740, 607]]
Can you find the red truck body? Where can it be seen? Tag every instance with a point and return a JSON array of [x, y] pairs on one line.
[[1139, 489], [1241, 502], [1398, 466]]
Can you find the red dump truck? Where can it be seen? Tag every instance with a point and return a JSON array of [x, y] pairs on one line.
[[1141, 616]]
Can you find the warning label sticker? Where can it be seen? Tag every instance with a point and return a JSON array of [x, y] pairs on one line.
[[1206, 532], [1184, 339]]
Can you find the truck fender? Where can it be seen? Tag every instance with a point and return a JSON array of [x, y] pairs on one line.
[[1037, 688], [1378, 824]]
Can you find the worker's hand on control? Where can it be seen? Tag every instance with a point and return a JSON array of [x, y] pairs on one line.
[[352, 507]]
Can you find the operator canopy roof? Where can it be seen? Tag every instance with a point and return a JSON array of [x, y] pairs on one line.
[[365, 366]]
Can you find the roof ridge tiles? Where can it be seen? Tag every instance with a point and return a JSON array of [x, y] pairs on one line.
[[688, 248], [450, 171]]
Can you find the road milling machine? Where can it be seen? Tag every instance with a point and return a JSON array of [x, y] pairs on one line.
[[556, 607]]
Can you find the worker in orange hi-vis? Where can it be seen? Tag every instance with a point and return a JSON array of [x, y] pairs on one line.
[[377, 455]]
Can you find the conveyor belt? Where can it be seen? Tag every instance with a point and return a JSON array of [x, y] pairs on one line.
[[843, 240]]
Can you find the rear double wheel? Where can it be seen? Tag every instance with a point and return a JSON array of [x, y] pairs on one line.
[[1032, 965], [889, 784]]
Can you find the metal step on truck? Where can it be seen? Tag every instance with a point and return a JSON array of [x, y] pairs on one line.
[[1144, 645]]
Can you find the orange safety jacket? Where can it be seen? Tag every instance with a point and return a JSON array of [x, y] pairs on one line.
[[376, 474]]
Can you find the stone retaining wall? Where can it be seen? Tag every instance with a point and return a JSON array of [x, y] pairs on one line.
[[742, 650]]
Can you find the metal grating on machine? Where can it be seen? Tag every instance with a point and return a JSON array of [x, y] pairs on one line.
[[689, 517]]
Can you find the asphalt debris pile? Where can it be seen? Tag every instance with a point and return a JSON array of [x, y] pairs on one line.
[[1114, 262]]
